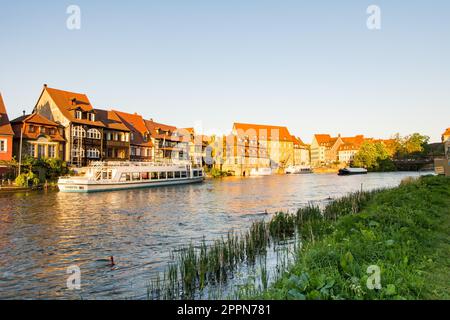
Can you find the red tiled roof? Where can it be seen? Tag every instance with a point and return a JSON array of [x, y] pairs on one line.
[[36, 119], [263, 132], [447, 132], [153, 127], [67, 102], [5, 126], [323, 139], [352, 143], [298, 142], [136, 124], [111, 120]]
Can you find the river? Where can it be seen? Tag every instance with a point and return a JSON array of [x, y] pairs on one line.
[[43, 233]]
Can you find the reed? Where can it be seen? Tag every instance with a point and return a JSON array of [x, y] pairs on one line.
[[196, 268]]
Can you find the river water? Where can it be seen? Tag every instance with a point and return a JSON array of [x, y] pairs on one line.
[[42, 234]]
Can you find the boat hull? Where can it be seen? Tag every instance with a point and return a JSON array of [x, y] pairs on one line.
[[73, 186], [345, 172]]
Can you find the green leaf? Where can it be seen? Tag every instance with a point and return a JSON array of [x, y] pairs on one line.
[[391, 290], [294, 294]]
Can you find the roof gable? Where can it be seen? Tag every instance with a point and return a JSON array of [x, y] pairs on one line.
[[263, 132], [5, 126], [67, 102], [110, 119], [36, 119]]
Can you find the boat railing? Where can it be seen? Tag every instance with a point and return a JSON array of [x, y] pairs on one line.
[[104, 164]]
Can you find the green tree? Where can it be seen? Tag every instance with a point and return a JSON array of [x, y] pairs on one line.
[[415, 143], [374, 157], [411, 146]]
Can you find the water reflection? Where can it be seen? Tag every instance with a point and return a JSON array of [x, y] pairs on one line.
[[41, 234]]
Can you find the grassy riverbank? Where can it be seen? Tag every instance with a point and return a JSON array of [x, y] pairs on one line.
[[405, 231]]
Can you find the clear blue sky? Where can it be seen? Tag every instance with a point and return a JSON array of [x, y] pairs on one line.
[[310, 65]]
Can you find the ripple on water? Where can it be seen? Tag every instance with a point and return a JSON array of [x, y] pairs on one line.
[[41, 234]]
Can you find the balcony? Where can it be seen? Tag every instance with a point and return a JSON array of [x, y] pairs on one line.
[[117, 144]]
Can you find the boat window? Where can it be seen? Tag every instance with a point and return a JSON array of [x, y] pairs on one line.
[[170, 175], [144, 176], [184, 174], [125, 177], [104, 175], [162, 175], [136, 176], [154, 175], [200, 173], [177, 174], [195, 173]]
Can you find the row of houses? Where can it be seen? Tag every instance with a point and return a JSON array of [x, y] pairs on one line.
[[326, 149], [65, 125]]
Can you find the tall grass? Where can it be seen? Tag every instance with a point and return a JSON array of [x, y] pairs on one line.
[[197, 267]]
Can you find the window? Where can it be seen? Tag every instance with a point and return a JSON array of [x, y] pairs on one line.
[[52, 151], [94, 134], [125, 177], [136, 176], [177, 174], [32, 129], [93, 153], [78, 132], [184, 174], [162, 175], [41, 151], [31, 150], [76, 152], [78, 114], [144, 176], [3, 145], [91, 116], [169, 175], [154, 175], [132, 136]]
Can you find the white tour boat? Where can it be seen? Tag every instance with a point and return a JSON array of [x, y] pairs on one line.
[[297, 170], [110, 176]]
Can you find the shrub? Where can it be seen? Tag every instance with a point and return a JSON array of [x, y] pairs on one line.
[[27, 179]]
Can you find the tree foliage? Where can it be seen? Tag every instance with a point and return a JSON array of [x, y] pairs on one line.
[[410, 146], [374, 157]]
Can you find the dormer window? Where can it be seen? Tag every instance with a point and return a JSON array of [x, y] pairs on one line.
[[78, 114], [91, 117]]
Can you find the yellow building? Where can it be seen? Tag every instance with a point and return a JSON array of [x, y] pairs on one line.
[[301, 152], [255, 146], [322, 149]]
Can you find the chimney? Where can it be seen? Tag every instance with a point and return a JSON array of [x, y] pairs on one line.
[[23, 112], [45, 85]]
